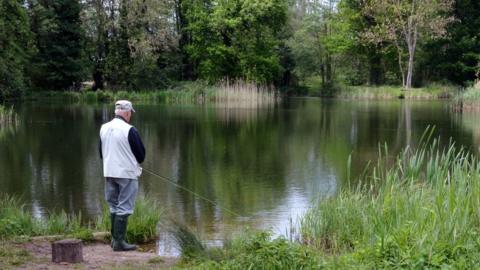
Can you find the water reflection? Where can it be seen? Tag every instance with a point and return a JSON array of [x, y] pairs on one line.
[[266, 164]]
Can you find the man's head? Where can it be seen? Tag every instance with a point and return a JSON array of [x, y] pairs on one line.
[[124, 109]]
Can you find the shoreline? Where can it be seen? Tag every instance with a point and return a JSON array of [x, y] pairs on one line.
[[36, 254]]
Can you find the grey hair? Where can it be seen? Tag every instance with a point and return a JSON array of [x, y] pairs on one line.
[[119, 111]]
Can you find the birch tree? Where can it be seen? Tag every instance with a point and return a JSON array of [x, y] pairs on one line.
[[405, 23]]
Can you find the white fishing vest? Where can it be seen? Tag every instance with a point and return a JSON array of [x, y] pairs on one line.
[[118, 158]]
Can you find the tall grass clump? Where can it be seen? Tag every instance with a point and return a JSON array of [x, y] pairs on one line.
[[142, 225], [241, 93], [421, 211], [17, 221], [256, 250], [188, 242], [14, 219], [468, 100]]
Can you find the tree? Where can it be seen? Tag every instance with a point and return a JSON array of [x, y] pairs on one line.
[[95, 23], [455, 58], [312, 43], [235, 38], [58, 63], [360, 62], [15, 47], [405, 23], [131, 42]]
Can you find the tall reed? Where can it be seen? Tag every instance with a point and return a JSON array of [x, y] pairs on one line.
[[244, 94], [468, 100], [422, 211]]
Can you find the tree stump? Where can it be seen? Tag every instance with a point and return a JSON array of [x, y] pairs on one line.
[[68, 250]]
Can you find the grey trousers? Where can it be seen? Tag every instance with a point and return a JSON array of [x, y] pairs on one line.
[[120, 194]]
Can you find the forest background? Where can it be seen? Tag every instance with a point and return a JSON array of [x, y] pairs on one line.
[[310, 47]]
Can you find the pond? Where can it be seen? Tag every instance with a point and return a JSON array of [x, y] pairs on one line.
[[265, 164]]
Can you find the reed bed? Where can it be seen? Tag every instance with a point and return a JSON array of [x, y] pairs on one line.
[[430, 92], [420, 212], [238, 94], [243, 94], [468, 100]]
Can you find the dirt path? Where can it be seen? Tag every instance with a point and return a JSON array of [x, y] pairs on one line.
[[96, 256]]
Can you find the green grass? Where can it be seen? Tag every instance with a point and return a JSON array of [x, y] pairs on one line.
[[470, 94], [166, 96], [468, 100], [12, 257], [16, 221], [142, 225], [433, 91], [420, 212], [183, 92], [254, 250]]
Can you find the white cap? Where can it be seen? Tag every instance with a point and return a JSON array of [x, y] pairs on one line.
[[124, 105]]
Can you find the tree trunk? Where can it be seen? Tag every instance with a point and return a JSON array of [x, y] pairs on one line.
[[328, 71], [68, 250], [322, 74], [408, 84], [375, 69], [412, 43]]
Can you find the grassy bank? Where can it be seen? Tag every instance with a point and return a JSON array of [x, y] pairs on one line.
[[185, 93], [237, 93], [417, 211], [397, 92], [12, 257], [243, 94], [251, 250], [421, 212], [16, 221]]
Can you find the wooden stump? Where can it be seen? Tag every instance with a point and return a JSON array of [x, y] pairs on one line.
[[68, 250]]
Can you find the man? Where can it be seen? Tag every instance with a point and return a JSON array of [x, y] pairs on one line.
[[122, 151]]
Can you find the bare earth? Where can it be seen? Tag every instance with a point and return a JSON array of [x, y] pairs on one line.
[[96, 256]]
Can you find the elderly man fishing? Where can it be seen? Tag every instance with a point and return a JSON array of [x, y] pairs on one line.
[[122, 151]]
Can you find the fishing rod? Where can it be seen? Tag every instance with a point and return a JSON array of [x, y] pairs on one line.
[[168, 180]]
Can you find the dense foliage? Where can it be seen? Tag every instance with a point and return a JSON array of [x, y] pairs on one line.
[[15, 39], [152, 44]]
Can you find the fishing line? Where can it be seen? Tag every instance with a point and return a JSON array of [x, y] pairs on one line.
[[190, 191]]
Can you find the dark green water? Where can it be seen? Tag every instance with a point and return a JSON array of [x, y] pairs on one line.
[[265, 164]]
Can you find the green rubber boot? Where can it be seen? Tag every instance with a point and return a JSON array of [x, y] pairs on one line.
[[112, 226], [120, 228]]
